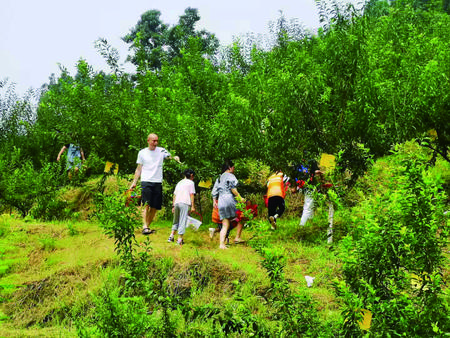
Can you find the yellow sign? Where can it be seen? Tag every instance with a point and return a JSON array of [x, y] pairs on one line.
[[327, 161], [366, 321], [206, 184], [110, 165], [432, 133]]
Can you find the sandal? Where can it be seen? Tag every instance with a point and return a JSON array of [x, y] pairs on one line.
[[239, 241], [180, 241], [147, 231]]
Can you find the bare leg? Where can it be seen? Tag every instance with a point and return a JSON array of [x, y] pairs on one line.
[[223, 233], [75, 172], [144, 216], [147, 215], [238, 232]]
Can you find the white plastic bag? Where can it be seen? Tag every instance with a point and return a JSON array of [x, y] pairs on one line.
[[309, 280], [194, 223]]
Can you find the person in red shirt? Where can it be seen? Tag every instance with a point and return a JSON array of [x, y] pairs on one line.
[[237, 222]]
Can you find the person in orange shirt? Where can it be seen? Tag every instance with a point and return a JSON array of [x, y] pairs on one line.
[[276, 193]]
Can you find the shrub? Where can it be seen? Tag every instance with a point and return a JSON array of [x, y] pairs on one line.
[[116, 315], [296, 314], [392, 261], [47, 243], [21, 184], [119, 223], [49, 208], [4, 228], [73, 231]]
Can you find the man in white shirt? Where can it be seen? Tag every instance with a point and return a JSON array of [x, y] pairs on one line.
[[150, 169]]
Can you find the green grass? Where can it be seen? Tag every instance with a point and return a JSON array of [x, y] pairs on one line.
[[48, 283], [54, 270]]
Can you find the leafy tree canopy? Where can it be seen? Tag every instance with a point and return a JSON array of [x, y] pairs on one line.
[[155, 42], [368, 81]]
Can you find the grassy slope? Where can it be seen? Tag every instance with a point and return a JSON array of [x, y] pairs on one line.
[[48, 269]]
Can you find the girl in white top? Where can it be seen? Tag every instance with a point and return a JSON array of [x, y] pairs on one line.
[[183, 200]]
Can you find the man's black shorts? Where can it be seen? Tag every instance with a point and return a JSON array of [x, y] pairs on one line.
[[152, 194]]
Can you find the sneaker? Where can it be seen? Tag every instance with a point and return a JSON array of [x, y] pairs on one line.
[[212, 231], [180, 241], [170, 240], [147, 231], [273, 222], [276, 216]]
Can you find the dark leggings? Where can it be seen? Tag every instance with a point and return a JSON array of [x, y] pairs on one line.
[[276, 206]]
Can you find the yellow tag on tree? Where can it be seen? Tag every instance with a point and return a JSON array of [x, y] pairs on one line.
[[206, 184], [110, 165], [328, 162], [366, 321]]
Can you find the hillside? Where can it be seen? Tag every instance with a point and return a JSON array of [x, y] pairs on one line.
[[49, 273], [63, 278]]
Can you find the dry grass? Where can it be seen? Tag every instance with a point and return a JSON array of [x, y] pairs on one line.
[[48, 283], [44, 281]]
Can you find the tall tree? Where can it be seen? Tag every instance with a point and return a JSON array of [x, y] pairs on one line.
[[149, 33], [155, 42]]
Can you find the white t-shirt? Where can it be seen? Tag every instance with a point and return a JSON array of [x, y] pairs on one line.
[[152, 164], [183, 191]]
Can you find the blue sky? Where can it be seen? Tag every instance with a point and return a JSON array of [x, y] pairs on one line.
[[37, 35]]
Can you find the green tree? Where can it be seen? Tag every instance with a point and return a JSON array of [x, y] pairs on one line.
[[155, 42], [92, 109], [16, 114]]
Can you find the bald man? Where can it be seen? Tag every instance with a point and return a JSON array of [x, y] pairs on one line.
[[150, 169]]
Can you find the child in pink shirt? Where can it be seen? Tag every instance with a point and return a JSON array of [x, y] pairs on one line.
[[183, 202]]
